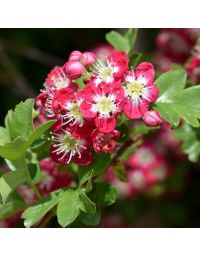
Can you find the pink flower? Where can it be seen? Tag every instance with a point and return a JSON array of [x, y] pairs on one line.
[[70, 144], [75, 56], [103, 104], [103, 50], [152, 118], [89, 58], [113, 70], [73, 69], [104, 142], [66, 103], [140, 91], [55, 81]]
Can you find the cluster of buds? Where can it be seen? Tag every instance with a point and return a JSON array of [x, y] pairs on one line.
[[86, 116]]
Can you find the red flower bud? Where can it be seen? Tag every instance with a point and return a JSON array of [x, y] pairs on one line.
[[152, 118], [89, 58], [75, 55], [73, 69]]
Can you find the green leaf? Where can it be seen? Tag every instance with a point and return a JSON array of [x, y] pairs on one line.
[[104, 194], [35, 172], [68, 207], [14, 150], [20, 120], [88, 187], [40, 130], [100, 163], [11, 208], [131, 36], [191, 142], [90, 219], [170, 84], [118, 41], [175, 102], [134, 59], [86, 205], [10, 181], [4, 136], [35, 213]]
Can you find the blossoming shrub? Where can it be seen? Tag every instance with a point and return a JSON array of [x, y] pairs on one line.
[[87, 140]]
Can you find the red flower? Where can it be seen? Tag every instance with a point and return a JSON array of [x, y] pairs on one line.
[[69, 145], [103, 104], [113, 70], [140, 91], [104, 142]]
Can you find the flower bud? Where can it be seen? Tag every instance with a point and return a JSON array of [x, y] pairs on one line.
[[89, 58], [152, 118], [73, 69], [75, 55]]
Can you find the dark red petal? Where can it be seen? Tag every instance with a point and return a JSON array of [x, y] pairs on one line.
[[85, 159]]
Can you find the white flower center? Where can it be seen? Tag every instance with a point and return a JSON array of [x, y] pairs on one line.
[[105, 105], [104, 72], [73, 114], [67, 144], [135, 89]]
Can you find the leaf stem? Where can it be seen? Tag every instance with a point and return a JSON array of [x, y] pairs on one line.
[[30, 181]]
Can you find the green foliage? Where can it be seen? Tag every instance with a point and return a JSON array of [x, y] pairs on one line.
[[175, 102], [35, 213], [70, 204], [10, 181], [134, 59], [120, 42], [9, 209], [191, 141], [20, 121], [90, 219], [104, 194], [14, 150], [100, 163], [4, 136]]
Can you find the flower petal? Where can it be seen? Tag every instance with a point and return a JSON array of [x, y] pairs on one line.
[[85, 109], [152, 94], [135, 110], [145, 71], [105, 125]]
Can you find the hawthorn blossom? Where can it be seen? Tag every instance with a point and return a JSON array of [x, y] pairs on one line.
[[102, 104], [68, 145], [104, 142], [113, 69], [140, 91]]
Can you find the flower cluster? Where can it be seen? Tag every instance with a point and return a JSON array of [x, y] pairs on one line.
[[86, 116]]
